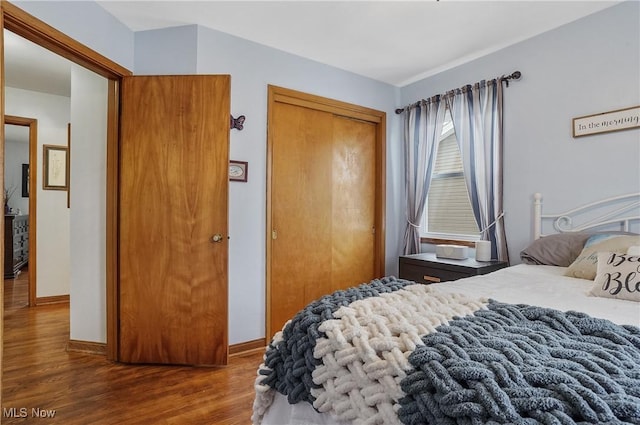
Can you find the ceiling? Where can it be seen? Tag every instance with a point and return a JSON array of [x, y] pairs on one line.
[[397, 42], [31, 67]]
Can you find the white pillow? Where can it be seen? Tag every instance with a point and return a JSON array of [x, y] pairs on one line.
[[585, 265], [634, 250], [618, 276]]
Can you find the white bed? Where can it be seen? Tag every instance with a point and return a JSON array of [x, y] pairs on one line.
[[546, 286], [538, 285]]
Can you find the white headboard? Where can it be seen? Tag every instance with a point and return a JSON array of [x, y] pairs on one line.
[[619, 210]]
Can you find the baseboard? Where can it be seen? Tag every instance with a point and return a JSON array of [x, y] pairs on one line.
[[55, 299], [101, 348], [86, 347], [244, 347]]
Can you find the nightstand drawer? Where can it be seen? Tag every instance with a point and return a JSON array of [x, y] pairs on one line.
[[422, 274], [427, 268]]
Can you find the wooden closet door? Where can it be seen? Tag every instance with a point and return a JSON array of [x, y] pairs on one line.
[[323, 200], [301, 210], [173, 201], [353, 202]]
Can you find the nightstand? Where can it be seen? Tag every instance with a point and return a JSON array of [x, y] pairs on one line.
[[427, 268]]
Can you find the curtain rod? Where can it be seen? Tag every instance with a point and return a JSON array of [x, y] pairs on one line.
[[514, 76]]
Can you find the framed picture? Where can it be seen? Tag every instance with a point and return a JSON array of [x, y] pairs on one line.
[[238, 171], [25, 180], [56, 170]]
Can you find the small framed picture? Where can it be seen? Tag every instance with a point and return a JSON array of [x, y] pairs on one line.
[[56, 172], [238, 171]]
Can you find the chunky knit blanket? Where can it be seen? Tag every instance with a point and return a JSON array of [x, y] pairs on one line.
[[392, 352]]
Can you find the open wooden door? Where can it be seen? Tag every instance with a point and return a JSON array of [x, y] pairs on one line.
[[173, 250]]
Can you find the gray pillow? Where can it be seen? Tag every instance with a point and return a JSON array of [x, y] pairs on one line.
[[560, 249]]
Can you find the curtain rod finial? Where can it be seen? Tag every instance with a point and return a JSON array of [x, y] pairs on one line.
[[514, 76]]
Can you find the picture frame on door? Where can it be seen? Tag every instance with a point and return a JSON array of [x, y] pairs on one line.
[[56, 168]]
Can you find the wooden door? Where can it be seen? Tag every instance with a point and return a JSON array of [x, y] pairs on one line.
[[173, 202], [325, 201], [301, 257], [353, 202]]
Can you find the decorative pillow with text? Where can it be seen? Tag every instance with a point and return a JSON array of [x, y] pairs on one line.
[[585, 265], [618, 276]]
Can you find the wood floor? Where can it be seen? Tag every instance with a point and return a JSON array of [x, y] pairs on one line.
[[41, 377]]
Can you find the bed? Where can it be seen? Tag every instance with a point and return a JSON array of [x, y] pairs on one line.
[[553, 340]]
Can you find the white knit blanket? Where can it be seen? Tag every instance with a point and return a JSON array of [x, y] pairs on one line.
[[363, 351]]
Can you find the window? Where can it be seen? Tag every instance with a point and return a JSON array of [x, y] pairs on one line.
[[448, 213]]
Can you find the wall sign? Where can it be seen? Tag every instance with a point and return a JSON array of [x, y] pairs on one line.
[[606, 122]]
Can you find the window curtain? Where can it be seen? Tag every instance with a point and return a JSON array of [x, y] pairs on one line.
[[476, 112], [422, 130]]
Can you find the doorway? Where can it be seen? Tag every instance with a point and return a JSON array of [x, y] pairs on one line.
[[24, 25], [26, 134]]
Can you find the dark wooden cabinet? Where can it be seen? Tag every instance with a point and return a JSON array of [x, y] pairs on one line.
[[427, 268], [16, 244]]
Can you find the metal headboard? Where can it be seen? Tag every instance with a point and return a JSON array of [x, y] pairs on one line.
[[619, 210]]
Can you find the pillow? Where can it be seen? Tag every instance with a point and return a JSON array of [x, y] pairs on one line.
[[585, 265], [559, 249], [633, 250], [618, 276]]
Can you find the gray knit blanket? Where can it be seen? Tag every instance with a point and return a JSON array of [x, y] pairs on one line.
[[395, 352]]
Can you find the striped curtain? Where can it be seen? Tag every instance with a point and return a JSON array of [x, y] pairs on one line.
[[477, 120], [422, 130]]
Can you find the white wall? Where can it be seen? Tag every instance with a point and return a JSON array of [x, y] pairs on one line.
[[88, 205], [52, 222], [88, 23], [167, 51], [586, 67]]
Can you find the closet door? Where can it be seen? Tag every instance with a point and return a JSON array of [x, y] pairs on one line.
[[301, 250], [325, 199], [353, 200], [173, 250]]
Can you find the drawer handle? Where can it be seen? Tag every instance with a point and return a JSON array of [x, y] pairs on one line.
[[431, 279]]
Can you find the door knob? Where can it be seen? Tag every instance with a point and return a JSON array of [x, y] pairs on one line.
[[216, 238]]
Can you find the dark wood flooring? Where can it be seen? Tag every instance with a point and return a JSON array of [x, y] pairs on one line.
[[43, 383]]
